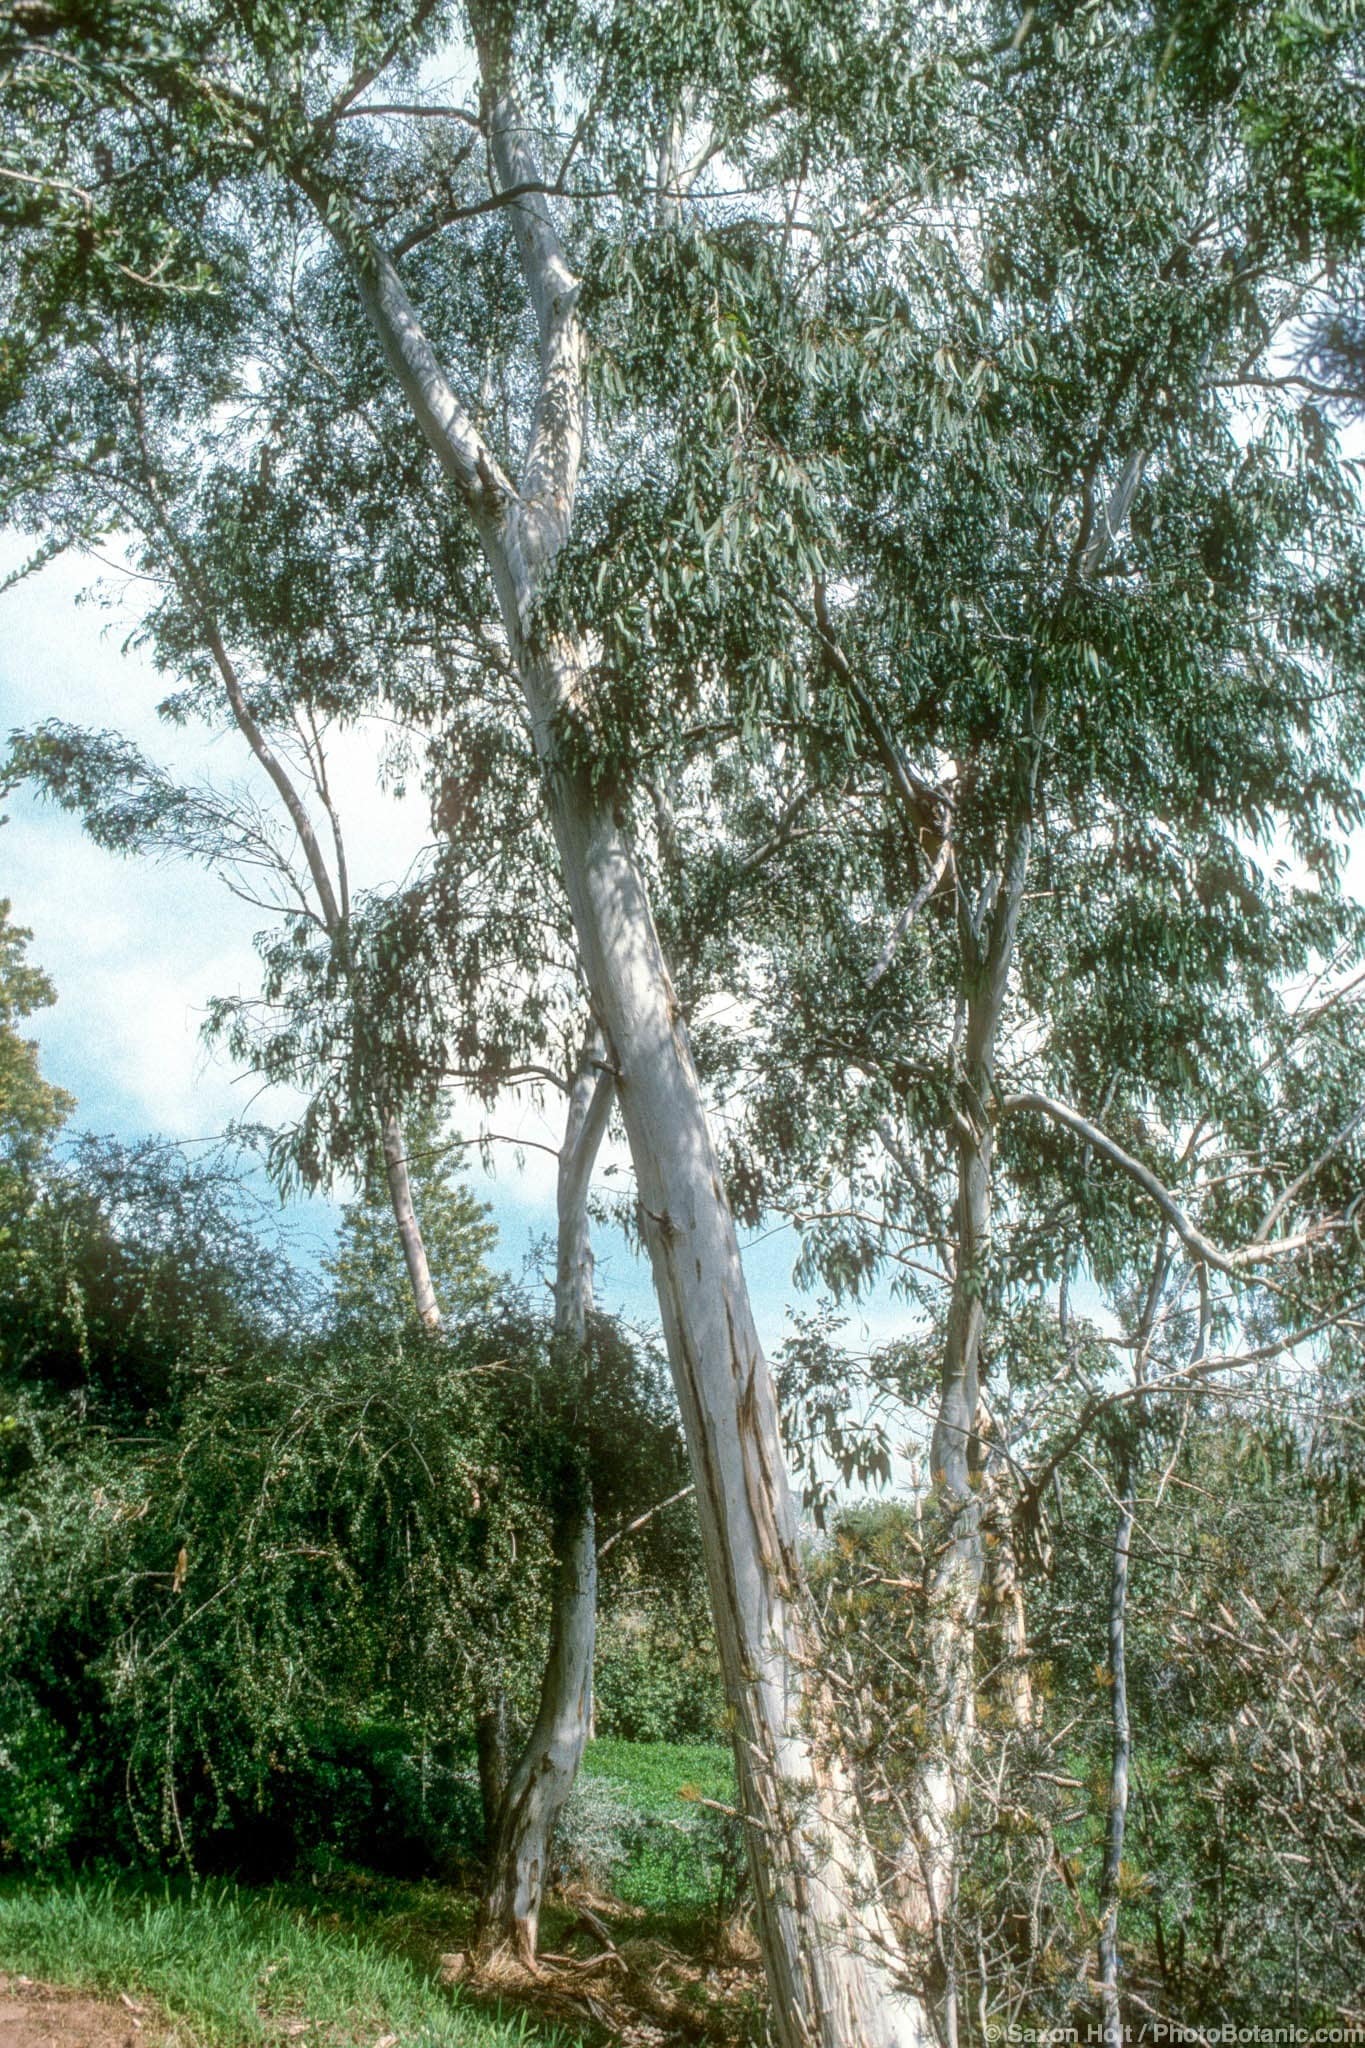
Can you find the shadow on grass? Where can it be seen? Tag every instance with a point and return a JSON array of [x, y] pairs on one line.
[[348, 1961]]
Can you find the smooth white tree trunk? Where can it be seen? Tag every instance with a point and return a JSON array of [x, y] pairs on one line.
[[405, 1220], [833, 1964], [956, 1454], [1111, 1874], [828, 1942]]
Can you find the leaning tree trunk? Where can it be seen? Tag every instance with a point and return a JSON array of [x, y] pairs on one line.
[[1118, 1772], [544, 1773], [405, 1218], [828, 1943]]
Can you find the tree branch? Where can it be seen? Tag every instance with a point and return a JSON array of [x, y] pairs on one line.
[[640, 1520], [911, 912], [555, 444], [411, 113], [1200, 1247]]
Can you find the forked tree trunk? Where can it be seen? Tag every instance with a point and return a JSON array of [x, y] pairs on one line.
[[828, 1943], [544, 1773]]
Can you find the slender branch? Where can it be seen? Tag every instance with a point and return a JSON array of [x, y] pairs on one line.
[[779, 837], [509, 195], [1329, 1152], [911, 912], [1200, 1247], [1342, 394], [1196, 1372], [187, 577], [1114, 517], [640, 1520], [928, 806], [278, 773], [411, 113], [555, 443], [364, 76], [441, 414]]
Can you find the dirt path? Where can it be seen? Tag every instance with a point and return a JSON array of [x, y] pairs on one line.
[[42, 2016]]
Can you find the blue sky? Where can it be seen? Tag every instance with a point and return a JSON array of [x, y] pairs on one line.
[[136, 949]]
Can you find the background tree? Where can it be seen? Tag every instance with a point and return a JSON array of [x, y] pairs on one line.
[[826, 1975], [31, 1108], [370, 1290]]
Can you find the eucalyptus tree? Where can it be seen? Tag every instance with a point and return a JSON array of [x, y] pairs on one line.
[[288, 109], [122, 441], [282, 538], [31, 1108], [367, 993], [1008, 886], [788, 234]]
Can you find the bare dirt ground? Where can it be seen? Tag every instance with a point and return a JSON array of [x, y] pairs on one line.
[[41, 2016]]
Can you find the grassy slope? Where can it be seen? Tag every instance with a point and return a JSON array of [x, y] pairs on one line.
[[677, 1868], [354, 1957], [232, 1968]]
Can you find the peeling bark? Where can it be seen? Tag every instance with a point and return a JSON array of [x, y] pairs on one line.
[[544, 1773], [1011, 1682], [827, 1940]]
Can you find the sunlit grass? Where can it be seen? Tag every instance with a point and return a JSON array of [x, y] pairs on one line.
[[228, 1968], [352, 1958], [657, 1775]]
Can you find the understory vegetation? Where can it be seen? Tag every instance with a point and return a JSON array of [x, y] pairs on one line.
[[253, 1614], [225, 1967]]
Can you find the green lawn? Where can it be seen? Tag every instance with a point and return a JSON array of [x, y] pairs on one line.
[[658, 1775], [641, 1811], [354, 1956], [231, 1968]]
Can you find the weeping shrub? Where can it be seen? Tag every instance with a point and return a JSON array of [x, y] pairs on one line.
[[330, 1536]]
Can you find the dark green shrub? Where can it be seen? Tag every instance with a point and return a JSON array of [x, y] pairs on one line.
[[44, 1792], [327, 1538], [652, 1683]]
